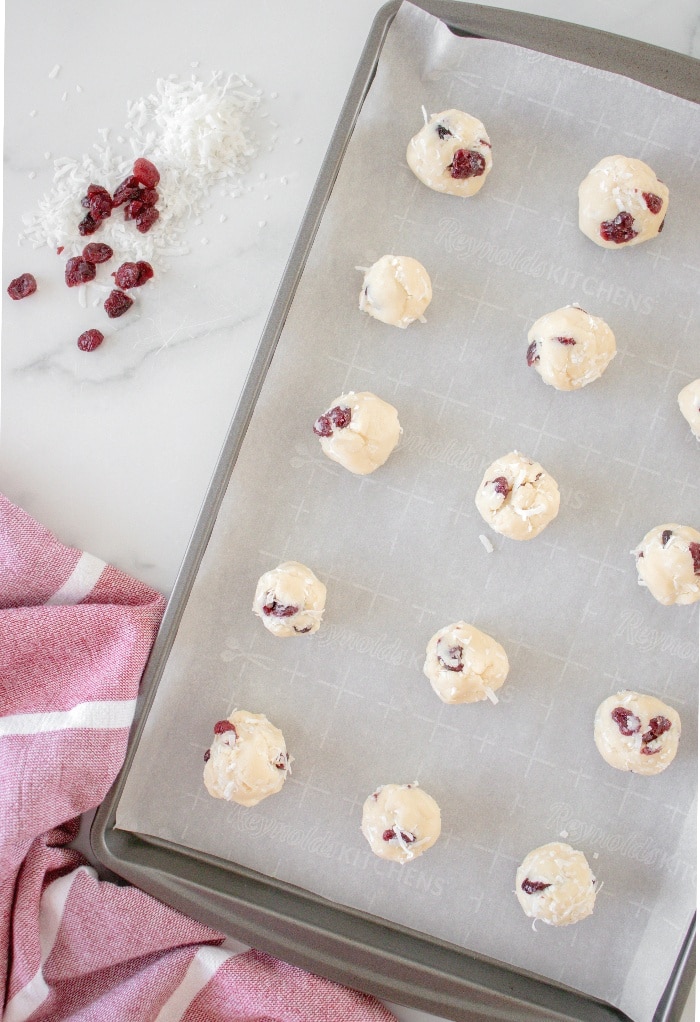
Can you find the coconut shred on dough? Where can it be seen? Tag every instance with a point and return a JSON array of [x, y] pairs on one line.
[[359, 431], [290, 600], [517, 498], [554, 883], [247, 761], [451, 153], [570, 348], [396, 290], [400, 822], [464, 665]]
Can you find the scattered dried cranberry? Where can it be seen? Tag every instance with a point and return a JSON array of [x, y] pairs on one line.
[[654, 202], [222, 726], [323, 426], [274, 609], [532, 355], [97, 252], [657, 727], [22, 286], [694, 551], [390, 835], [336, 418], [132, 209], [501, 485], [207, 755], [619, 230], [128, 189], [628, 722], [79, 271], [99, 202], [149, 196], [443, 132], [450, 658], [133, 274], [146, 218], [146, 173], [90, 339], [533, 886], [565, 340], [88, 225], [665, 536], [467, 163], [117, 303]]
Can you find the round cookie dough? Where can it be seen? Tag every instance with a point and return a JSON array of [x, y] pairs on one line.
[[689, 404], [359, 431], [621, 202], [451, 153], [247, 760], [396, 290], [290, 600], [517, 498], [636, 732], [570, 348], [554, 883], [400, 821], [465, 665], [668, 563]]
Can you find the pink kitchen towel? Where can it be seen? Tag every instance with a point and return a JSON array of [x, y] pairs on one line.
[[75, 635]]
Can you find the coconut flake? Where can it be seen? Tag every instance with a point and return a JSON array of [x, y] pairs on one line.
[[486, 543]]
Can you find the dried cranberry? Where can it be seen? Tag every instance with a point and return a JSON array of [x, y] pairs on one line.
[[90, 339], [654, 202], [532, 355], [619, 230], [565, 340], [303, 631], [79, 271], [128, 189], [88, 225], [336, 418], [661, 225], [133, 274], [467, 163], [694, 551], [501, 485], [323, 426], [97, 252], [22, 286], [282, 761], [628, 722], [146, 173], [149, 196], [665, 536], [207, 755], [533, 886], [132, 209], [450, 658], [443, 132], [146, 218], [659, 726], [99, 202], [274, 609], [117, 303], [390, 835], [222, 726]]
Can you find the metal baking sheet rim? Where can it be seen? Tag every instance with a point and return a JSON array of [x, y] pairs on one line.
[[342, 944]]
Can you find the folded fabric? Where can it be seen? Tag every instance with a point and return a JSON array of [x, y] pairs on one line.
[[75, 635]]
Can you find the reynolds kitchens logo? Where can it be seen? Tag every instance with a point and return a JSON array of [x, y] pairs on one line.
[[634, 630]]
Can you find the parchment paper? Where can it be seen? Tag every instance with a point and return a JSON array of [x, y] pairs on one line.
[[400, 551]]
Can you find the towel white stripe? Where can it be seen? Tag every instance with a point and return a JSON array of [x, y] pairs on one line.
[[201, 969], [51, 909], [79, 583], [109, 713]]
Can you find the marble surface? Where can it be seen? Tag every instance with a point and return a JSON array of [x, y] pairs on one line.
[[114, 450]]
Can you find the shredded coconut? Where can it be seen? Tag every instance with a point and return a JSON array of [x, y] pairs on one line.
[[196, 134], [486, 543]]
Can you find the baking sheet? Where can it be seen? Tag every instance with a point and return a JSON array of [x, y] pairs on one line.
[[400, 550]]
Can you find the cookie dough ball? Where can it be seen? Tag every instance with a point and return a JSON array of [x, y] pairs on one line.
[[621, 202], [689, 404], [359, 431], [290, 600], [247, 760], [636, 732], [465, 665], [668, 563], [517, 498], [396, 290], [570, 348], [554, 883], [400, 821], [451, 153]]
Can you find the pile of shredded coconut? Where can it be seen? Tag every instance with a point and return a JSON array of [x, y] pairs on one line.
[[197, 134]]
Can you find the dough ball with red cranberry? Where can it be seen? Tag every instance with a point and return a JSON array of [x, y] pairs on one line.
[[569, 348], [636, 732], [554, 883], [396, 290], [668, 563], [621, 202], [517, 498], [247, 760], [400, 822], [359, 431], [290, 600], [464, 665], [451, 153]]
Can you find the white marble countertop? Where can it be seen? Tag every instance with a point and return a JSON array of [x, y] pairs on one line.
[[113, 450]]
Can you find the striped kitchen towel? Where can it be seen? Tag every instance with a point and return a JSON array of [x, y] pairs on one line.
[[75, 634]]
